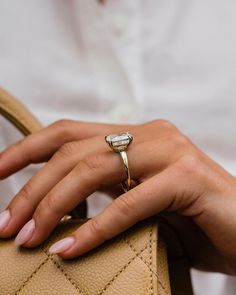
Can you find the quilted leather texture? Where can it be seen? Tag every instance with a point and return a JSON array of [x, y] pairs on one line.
[[133, 263]]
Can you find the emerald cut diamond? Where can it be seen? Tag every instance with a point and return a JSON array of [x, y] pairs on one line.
[[119, 142]]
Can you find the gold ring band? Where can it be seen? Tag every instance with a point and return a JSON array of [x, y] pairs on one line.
[[126, 184], [119, 143]]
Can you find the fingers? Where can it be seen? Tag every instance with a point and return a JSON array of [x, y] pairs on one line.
[[39, 147], [23, 205], [35, 148], [88, 176], [170, 190], [143, 201], [139, 203], [53, 193], [28, 199]]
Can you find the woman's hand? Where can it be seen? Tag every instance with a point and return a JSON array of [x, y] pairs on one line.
[[173, 176]]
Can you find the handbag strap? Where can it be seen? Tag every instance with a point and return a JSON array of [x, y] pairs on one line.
[[15, 112], [18, 114]]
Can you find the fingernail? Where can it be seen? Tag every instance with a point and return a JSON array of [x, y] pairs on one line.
[[5, 216], [25, 233], [62, 245]]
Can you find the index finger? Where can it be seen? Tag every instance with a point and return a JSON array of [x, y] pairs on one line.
[[40, 146]]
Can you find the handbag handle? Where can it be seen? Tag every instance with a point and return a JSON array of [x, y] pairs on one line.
[[18, 114], [15, 112]]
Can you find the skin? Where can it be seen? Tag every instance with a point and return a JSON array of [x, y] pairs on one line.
[[173, 177]]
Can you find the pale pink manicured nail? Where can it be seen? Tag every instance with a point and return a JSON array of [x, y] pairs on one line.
[[5, 216], [62, 245], [25, 233]]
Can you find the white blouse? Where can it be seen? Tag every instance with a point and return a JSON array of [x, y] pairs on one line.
[[125, 61]]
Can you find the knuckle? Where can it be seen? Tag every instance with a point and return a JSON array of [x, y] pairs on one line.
[[93, 162], [67, 149], [26, 193], [97, 229], [126, 203], [180, 140], [50, 204], [24, 146], [63, 127], [63, 123], [189, 164], [164, 124]]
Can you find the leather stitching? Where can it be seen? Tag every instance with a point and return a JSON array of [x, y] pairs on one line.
[[120, 271], [31, 276], [150, 258], [59, 267], [49, 257], [111, 281], [138, 254]]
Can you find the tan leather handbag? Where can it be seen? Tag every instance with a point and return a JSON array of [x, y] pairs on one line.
[[135, 262]]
